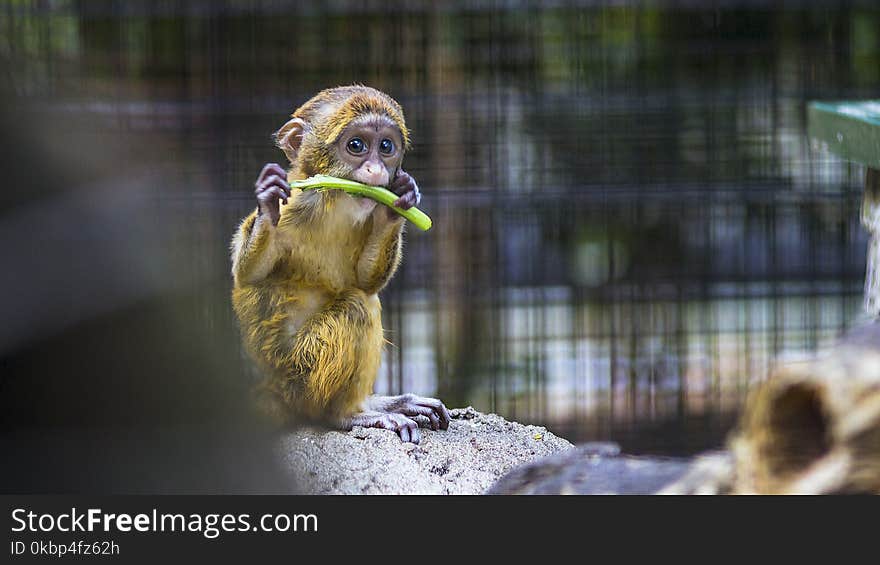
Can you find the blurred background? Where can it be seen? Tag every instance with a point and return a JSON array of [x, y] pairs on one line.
[[631, 225]]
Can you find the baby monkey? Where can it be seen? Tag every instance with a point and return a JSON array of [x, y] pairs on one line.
[[308, 267]]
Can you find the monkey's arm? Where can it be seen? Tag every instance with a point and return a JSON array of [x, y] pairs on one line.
[[381, 254], [255, 249]]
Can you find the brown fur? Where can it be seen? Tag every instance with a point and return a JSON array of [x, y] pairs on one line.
[[305, 291]]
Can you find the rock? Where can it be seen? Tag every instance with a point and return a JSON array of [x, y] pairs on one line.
[[467, 458], [593, 468], [710, 473]]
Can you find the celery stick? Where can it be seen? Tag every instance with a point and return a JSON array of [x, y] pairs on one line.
[[377, 193]]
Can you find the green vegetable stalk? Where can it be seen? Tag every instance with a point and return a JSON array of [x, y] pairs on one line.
[[377, 193]]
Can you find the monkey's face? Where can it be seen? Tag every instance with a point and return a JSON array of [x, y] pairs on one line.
[[371, 148]]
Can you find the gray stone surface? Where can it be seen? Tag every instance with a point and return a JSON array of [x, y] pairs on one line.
[[593, 468], [467, 458]]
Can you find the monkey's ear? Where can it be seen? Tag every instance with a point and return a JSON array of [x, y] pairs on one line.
[[290, 137]]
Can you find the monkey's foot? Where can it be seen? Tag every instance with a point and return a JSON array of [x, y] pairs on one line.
[[407, 429], [411, 405]]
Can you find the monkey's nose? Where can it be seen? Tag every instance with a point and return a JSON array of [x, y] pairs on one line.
[[374, 174]]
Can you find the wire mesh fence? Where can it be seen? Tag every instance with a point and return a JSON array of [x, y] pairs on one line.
[[631, 225]]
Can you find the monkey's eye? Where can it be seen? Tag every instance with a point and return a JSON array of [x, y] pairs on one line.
[[386, 147], [356, 145]]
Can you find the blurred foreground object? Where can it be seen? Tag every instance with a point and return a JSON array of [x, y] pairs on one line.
[[113, 380], [814, 428], [811, 428]]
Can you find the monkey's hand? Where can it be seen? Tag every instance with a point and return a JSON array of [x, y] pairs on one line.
[[407, 429], [411, 405], [406, 188], [271, 188]]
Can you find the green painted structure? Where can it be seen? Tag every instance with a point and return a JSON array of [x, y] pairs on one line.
[[852, 131]]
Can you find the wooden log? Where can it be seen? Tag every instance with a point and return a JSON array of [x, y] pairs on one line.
[[814, 427]]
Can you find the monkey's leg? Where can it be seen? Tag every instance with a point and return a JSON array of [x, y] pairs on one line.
[[407, 429], [329, 368], [335, 355], [412, 405]]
